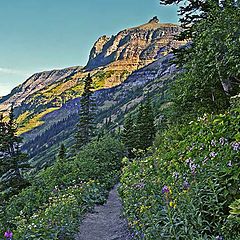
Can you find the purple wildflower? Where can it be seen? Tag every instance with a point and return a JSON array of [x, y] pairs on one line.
[[235, 146], [193, 168], [186, 185], [219, 237], [165, 189]]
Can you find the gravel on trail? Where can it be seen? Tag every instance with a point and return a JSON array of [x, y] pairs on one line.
[[105, 222]]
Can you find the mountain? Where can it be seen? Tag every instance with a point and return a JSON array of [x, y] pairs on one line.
[[123, 67]]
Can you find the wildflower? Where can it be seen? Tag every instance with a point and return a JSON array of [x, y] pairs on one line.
[[172, 204], [8, 234], [222, 140], [213, 143], [193, 167], [188, 161], [229, 164], [235, 146], [186, 185], [165, 189], [219, 237], [212, 154], [176, 175], [139, 185]]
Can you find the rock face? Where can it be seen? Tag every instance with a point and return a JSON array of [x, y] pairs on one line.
[[134, 46], [34, 84]]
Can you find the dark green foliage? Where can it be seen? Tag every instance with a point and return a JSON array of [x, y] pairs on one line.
[[139, 131], [192, 11], [145, 127], [51, 207], [128, 135], [62, 153], [211, 65], [184, 190], [85, 127], [12, 161]]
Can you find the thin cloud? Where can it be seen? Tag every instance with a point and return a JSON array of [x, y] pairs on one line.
[[13, 72]]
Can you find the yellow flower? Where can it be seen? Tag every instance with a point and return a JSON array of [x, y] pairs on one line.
[[172, 204]]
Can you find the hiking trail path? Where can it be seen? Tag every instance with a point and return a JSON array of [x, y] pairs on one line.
[[105, 222]]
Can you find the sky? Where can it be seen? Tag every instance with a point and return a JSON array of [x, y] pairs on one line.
[[39, 35]]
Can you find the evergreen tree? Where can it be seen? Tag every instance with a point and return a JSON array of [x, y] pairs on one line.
[[139, 132], [62, 153], [85, 127], [12, 161], [192, 11], [211, 73], [128, 135], [145, 127]]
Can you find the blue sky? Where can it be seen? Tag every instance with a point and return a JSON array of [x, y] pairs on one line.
[[37, 35]]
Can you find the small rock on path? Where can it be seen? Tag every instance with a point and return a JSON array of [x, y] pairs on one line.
[[105, 223]]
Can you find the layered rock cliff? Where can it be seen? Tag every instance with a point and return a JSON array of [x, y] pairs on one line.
[[137, 46]]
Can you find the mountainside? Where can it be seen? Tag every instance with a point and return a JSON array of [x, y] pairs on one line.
[[34, 84], [123, 67], [42, 143]]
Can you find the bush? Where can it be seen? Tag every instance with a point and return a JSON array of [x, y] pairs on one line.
[[60, 195], [183, 191]]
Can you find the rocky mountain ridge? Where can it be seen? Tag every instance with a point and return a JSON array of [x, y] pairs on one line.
[[134, 46], [33, 84]]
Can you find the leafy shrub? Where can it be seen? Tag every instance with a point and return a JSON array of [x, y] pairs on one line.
[[183, 191], [52, 207]]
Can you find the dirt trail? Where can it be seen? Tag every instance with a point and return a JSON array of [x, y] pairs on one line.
[[105, 223]]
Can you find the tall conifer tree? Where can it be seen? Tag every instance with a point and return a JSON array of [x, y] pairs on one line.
[[12, 161], [139, 131], [62, 153], [85, 127], [128, 135]]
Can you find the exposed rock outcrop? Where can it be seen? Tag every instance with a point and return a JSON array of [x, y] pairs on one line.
[[137, 46]]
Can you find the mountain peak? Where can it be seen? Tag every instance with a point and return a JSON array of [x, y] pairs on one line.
[[135, 46], [154, 20]]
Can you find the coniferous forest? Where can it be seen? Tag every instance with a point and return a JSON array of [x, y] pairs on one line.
[[172, 149]]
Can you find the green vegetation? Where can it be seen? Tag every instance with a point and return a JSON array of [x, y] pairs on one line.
[[34, 122], [12, 161], [85, 127], [59, 196], [187, 186], [184, 189], [211, 65], [139, 131], [181, 183]]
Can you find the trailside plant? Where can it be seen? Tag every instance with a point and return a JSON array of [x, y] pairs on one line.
[[53, 205], [184, 190]]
